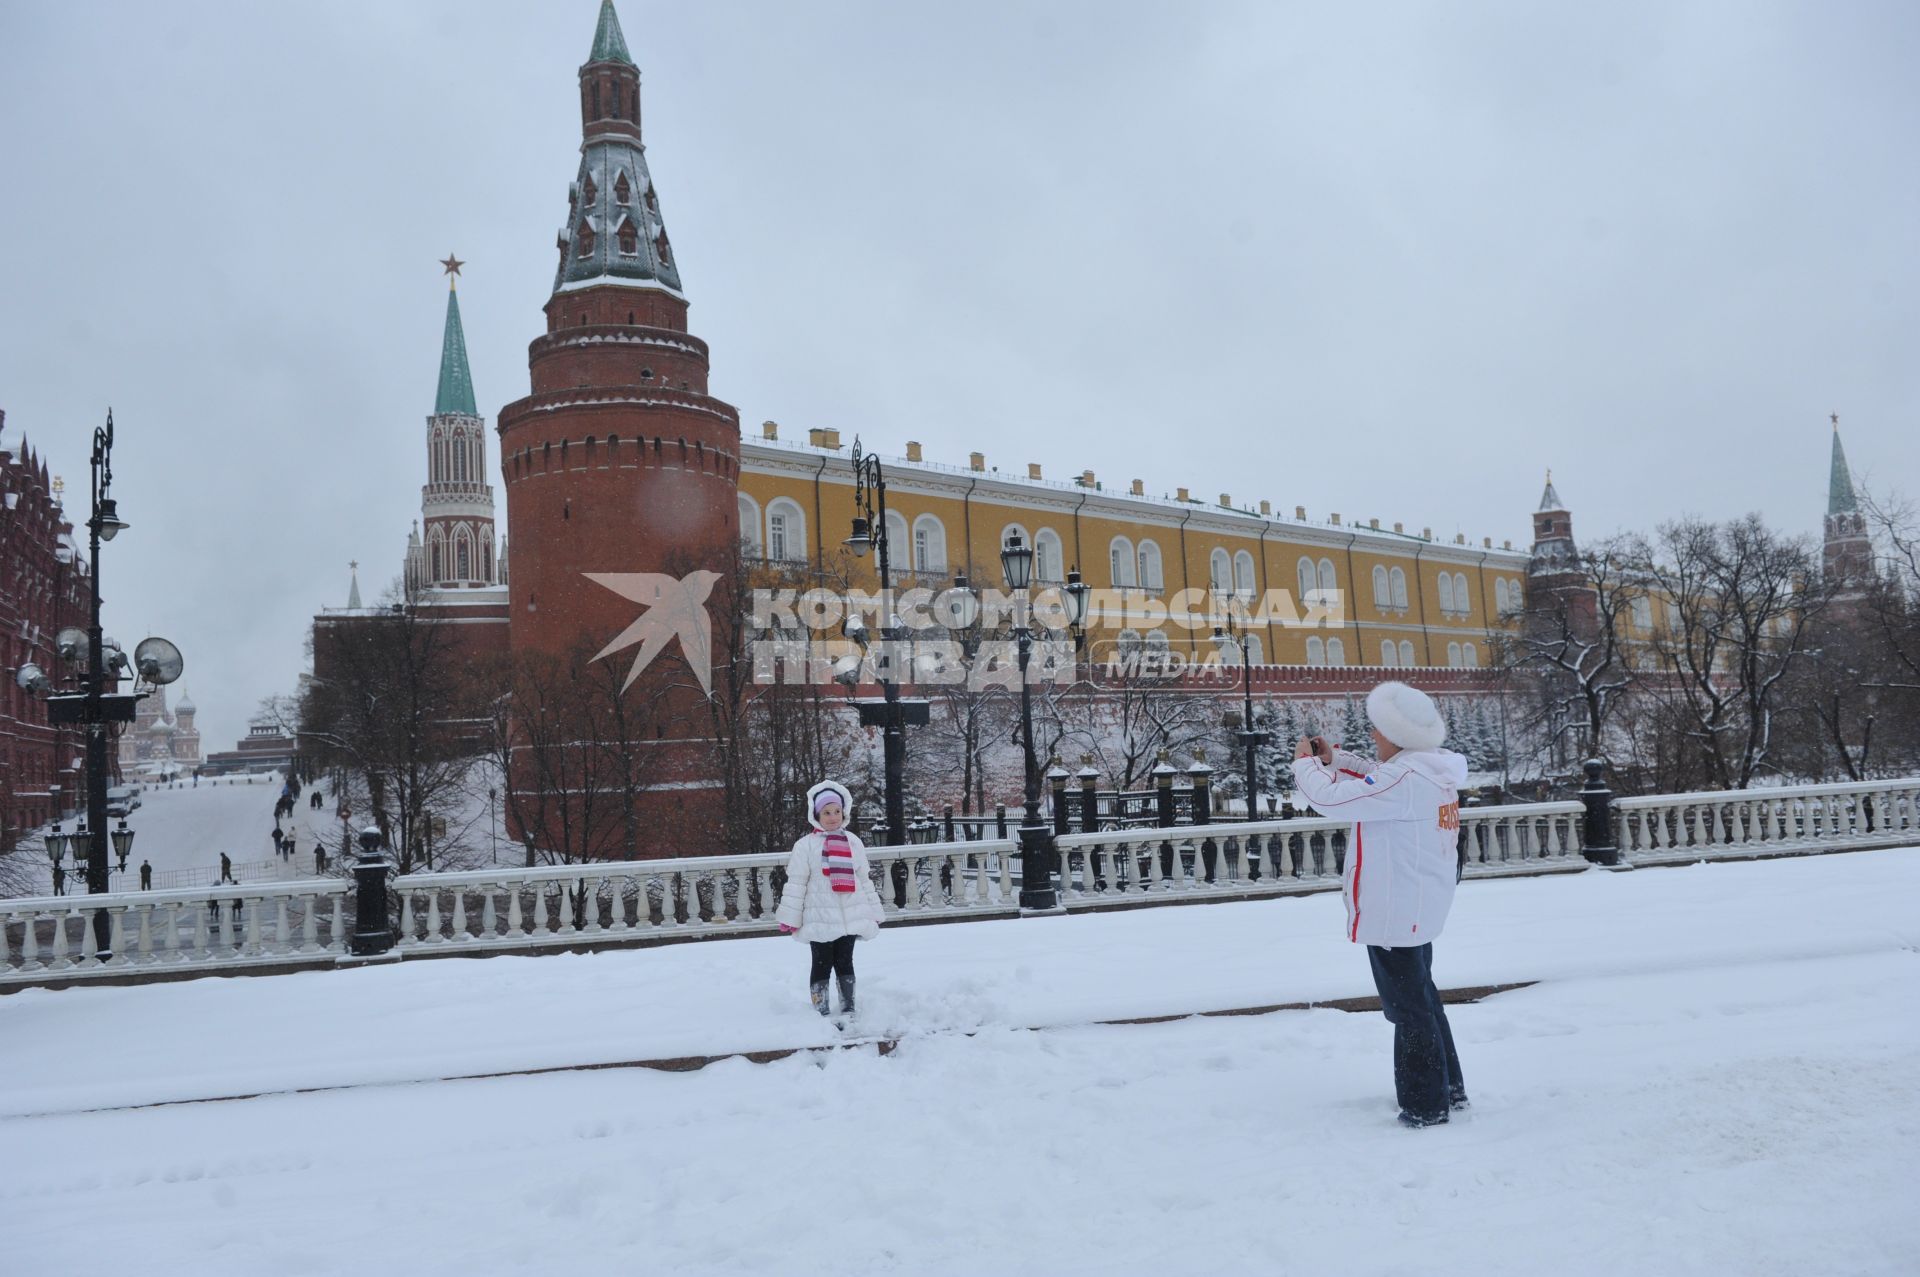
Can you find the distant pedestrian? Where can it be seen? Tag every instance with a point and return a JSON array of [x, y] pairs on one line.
[[286, 847], [226, 867], [320, 859], [277, 836], [316, 800], [59, 881], [146, 875]]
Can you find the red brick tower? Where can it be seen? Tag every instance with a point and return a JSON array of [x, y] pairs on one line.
[[620, 463]]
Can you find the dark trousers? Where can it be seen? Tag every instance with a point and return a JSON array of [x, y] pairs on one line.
[[832, 957], [1426, 1068]]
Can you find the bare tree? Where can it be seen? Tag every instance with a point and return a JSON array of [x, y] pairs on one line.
[[393, 704], [1741, 600]]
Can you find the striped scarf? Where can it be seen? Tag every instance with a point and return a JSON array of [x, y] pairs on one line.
[[836, 861]]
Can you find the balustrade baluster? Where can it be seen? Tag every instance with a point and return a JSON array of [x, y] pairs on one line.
[[57, 955], [516, 920], [144, 945], [459, 928], [433, 935], [590, 904], [539, 903], [310, 925], [202, 935], [250, 908], [489, 915], [282, 930]]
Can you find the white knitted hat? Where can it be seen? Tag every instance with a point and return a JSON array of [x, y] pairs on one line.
[[1406, 716]]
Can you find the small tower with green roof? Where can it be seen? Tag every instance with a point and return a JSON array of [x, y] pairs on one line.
[[455, 549], [1847, 552]]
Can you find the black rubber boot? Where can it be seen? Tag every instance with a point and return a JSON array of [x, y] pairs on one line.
[[846, 995], [819, 993], [1415, 1121]]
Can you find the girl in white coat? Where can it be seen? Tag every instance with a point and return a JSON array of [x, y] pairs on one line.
[[829, 900]]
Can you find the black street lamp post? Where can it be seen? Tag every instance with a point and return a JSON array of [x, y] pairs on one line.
[[1224, 637], [1037, 847], [870, 533], [103, 524]]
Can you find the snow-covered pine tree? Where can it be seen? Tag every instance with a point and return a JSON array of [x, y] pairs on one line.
[[1354, 737]]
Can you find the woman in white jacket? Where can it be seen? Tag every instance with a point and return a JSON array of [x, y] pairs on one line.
[[1399, 879], [829, 900]]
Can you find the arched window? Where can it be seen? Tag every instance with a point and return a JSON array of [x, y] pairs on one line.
[[1406, 654], [1336, 652], [1382, 591], [786, 532], [1129, 642], [1328, 581], [1049, 558], [629, 237], [1469, 656], [622, 189], [462, 558], [1399, 588], [1389, 654], [1304, 572], [486, 560], [1462, 601], [1316, 651], [929, 544], [436, 548], [1500, 594], [1243, 574], [1150, 574], [899, 542], [1256, 650], [1453, 649], [1219, 571], [1120, 563], [749, 526], [583, 238], [1446, 593], [1159, 648]]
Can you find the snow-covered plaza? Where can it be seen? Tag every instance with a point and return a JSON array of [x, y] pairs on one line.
[[1718, 1070]]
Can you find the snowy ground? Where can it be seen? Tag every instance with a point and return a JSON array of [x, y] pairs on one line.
[[1720, 1071], [183, 829]]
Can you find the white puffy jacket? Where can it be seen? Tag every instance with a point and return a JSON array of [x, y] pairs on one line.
[[810, 905], [1406, 812]]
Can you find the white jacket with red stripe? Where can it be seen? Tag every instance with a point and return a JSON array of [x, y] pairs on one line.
[[1401, 862]]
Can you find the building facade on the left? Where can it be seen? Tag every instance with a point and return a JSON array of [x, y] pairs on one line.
[[43, 590]]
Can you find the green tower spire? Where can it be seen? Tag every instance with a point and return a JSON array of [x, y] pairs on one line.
[[1840, 482], [456, 382], [608, 44]]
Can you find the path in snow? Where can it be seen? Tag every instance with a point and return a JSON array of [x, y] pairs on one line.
[[181, 831]]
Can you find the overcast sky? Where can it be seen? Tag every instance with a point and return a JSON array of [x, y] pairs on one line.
[[1389, 260]]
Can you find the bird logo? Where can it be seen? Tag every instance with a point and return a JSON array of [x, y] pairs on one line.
[[676, 608]]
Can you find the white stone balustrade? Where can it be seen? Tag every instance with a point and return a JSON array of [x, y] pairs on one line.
[[48, 940], [51, 938], [1665, 828], [561, 905], [1282, 857]]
